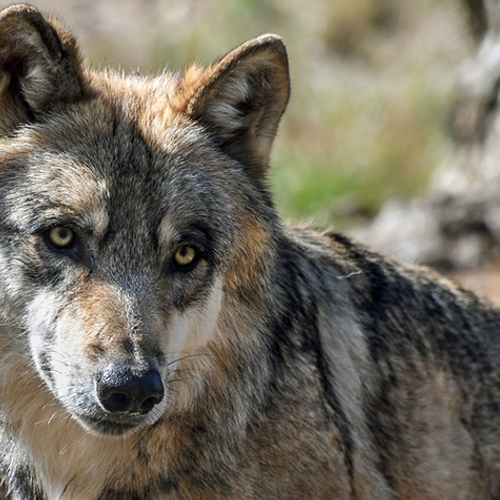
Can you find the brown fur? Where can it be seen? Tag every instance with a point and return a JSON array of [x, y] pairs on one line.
[[282, 363]]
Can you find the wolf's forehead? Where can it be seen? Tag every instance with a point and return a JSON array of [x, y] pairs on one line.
[[102, 165], [97, 190]]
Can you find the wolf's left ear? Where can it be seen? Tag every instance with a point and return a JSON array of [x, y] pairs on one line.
[[240, 99], [39, 66]]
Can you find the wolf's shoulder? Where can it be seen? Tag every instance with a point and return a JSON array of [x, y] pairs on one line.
[[378, 279]]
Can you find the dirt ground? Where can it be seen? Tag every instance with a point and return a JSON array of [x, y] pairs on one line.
[[486, 282]]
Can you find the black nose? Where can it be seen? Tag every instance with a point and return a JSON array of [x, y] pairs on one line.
[[119, 390]]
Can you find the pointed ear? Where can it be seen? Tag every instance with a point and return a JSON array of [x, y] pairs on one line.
[[39, 66], [240, 99]]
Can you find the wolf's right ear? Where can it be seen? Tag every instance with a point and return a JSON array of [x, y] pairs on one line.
[[39, 66]]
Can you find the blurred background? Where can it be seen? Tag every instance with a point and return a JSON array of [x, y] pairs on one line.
[[373, 140], [371, 84]]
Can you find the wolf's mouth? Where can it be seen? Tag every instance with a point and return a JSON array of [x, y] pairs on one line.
[[109, 427]]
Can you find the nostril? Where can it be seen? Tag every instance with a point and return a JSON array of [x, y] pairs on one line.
[[119, 390], [117, 402], [149, 403], [154, 394]]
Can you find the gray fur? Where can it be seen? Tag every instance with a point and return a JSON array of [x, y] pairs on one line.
[[295, 363]]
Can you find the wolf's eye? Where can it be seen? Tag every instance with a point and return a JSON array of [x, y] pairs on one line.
[[186, 257], [61, 237]]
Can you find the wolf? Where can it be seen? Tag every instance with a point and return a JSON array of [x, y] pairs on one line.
[[163, 336]]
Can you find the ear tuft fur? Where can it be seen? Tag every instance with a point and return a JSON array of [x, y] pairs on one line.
[[240, 99], [39, 63]]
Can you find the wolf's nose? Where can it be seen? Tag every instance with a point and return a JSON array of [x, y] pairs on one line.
[[119, 390]]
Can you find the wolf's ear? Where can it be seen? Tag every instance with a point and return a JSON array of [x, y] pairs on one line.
[[240, 99], [39, 66]]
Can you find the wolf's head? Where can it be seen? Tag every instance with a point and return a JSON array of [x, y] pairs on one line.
[[136, 232]]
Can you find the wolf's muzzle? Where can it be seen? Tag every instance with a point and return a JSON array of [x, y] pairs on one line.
[[120, 391]]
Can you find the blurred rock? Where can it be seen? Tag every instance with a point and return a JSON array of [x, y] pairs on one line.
[[457, 225]]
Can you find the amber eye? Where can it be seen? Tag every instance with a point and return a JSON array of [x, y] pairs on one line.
[[61, 237], [185, 256]]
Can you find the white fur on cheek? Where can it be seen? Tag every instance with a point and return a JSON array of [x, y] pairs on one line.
[[42, 315], [193, 329], [40, 318]]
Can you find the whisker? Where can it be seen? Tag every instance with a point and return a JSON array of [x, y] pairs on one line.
[[187, 356]]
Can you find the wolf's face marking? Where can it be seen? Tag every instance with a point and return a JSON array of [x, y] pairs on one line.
[[121, 251], [120, 240]]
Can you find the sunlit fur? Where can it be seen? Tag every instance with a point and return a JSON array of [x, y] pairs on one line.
[[295, 364]]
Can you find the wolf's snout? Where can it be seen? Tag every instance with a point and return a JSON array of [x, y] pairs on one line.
[[119, 390]]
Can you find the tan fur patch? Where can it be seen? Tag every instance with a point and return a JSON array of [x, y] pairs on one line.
[[103, 322], [250, 262]]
